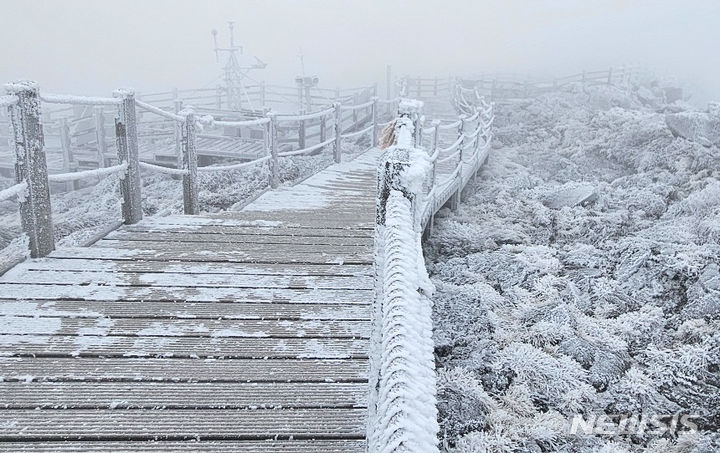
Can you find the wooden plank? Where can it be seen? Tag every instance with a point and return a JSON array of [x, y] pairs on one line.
[[195, 268], [255, 233], [285, 219], [230, 237], [128, 369], [247, 248], [219, 446], [168, 293], [181, 424], [192, 280], [152, 327], [183, 347], [183, 310], [273, 256], [174, 395]]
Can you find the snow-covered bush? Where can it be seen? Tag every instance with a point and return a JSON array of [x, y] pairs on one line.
[[581, 277]]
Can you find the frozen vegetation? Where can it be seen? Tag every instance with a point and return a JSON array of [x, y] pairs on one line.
[[581, 276]]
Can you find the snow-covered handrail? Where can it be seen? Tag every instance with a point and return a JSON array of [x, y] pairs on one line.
[[214, 168], [161, 169], [15, 190], [389, 101], [357, 107], [160, 112], [357, 133], [306, 150], [453, 125], [306, 116], [243, 123], [88, 174], [78, 100]]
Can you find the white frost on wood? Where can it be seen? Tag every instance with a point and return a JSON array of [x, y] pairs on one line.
[[78, 100], [19, 190], [88, 174]]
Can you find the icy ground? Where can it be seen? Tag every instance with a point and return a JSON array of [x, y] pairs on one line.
[[79, 216], [581, 276]]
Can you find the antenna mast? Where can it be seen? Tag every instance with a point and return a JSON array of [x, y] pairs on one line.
[[234, 73]]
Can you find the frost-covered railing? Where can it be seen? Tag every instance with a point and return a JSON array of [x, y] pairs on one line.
[[23, 101], [414, 182]]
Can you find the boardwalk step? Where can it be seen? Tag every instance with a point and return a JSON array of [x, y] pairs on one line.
[[191, 395], [260, 446], [141, 424], [184, 347], [244, 239], [184, 310], [182, 370], [208, 328]]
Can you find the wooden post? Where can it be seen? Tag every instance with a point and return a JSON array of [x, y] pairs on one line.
[[262, 93], [301, 134], [191, 204], [274, 164], [127, 146], [609, 82], [356, 101], [373, 114], [436, 146], [388, 81], [178, 136], [456, 198], [338, 132], [66, 147], [435, 88], [100, 135], [323, 128], [31, 167]]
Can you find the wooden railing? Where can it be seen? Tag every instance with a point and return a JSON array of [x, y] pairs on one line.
[[330, 126]]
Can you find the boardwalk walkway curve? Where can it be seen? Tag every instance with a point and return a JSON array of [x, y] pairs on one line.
[[300, 323]]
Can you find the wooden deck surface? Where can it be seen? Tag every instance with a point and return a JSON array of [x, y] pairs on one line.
[[243, 331]]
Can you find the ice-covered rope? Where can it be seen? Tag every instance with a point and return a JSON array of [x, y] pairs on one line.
[[18, 190], [356, 133], [307, 116], [209, 169], [87, 174], [78, 100], [159, 111], [161, 169], [406, 416], [306, 150], [346, 108]]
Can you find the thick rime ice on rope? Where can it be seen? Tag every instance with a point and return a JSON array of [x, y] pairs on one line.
[[406, 418]]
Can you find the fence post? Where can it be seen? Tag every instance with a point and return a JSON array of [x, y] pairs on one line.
[[301, 134], [178, 137], [338, 132], [435, 88], [127, 146], [323, 128], [189, 163], [274, 164], [262, 94], [374, 116], [456, 198], [100, 135], [31, 167], [610, 76], [66, 147]]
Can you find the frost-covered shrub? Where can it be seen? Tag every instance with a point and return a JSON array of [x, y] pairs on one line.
[[606, 305]]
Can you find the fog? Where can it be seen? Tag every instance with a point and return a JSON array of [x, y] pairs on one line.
[[91, 47]]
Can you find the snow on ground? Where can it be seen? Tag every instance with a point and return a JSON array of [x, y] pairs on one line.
[[581, 276], [80, 215]]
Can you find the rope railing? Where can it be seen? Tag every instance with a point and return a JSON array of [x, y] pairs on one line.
[[88, 174], [161, 169], [7, 101], [17, 190], [78, 100]]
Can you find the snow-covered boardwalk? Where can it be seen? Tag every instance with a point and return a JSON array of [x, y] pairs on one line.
[[245, 331]]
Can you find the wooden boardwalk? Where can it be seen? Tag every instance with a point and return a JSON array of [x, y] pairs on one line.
[[244, 331]]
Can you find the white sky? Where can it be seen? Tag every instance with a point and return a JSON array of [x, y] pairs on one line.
[[94, 46]]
